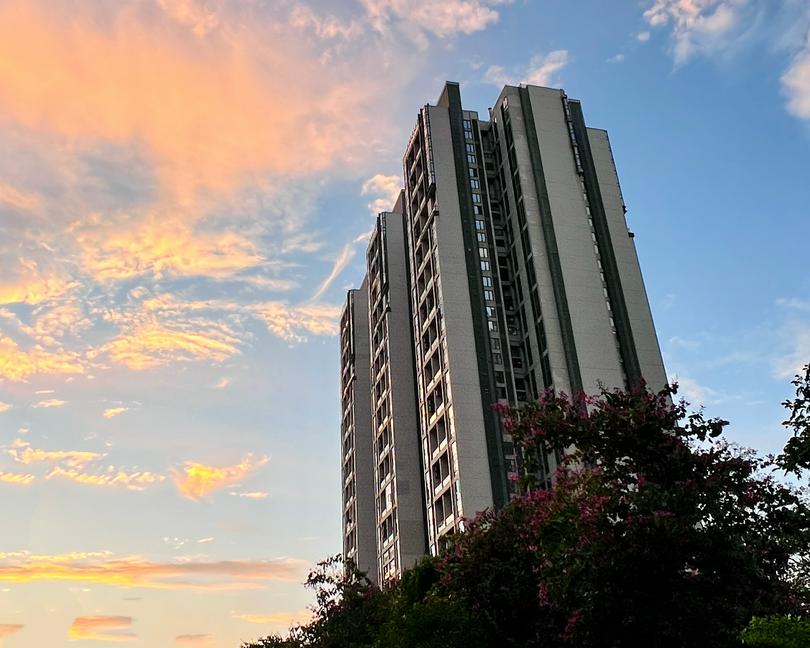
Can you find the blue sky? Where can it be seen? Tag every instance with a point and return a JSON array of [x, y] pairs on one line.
[[185, 186]]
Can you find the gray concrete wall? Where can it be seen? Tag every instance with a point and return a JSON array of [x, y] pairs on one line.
[[638, 307], [464, 390]]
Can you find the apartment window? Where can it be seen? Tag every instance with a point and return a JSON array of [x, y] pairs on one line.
[[487, 282], [471, 159], [489, 295], [482, 237], [490, 311], [493, 326], [485, 266], [477, 210], [479, 225], [467, 124], [470, 148], [476, 197], [483, 253], [468, 134], [473, 173], [497, 358], [474, 183]]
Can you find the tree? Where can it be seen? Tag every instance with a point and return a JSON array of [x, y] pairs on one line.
[[655, 527], [796, 455], [785, 631]]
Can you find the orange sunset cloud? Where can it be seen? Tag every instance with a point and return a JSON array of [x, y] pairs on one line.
[[209, 110], [197, 480], [9, 629], [17, 364], [104, 568], [16, 478], [135, 480], [22, 452], [101, 628]]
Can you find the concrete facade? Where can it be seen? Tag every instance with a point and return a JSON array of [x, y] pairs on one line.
[[359, 543], [399, 505]]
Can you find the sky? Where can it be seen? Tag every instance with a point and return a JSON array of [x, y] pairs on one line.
[[186, 187]]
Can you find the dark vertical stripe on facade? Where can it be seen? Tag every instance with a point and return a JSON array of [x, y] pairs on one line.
[[486, 378], [624, 333], [547, 223]]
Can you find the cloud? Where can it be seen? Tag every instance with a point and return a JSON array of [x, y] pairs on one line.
[[796, 83], [280, 619], [444, 19], [102, 628], [154, 344], [694, 392], [164, 247], [135, 480], [21, 200], [222, 383], [342, 260], [793, 302], [7, 629], [386, 187], [194, 640], [698, 26], [618, 58], [250, 494], [540, 71], [797, 343], [201, 20], [105, 568], [49, 403], [293, 323], [17, 364], [4, 407], [196, 480], [208, 110], [114, 411], [643, 36], [22, 452], [16, 478]]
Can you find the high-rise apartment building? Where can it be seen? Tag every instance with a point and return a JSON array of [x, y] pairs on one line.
[[357, 473], [399, 502], [522, 277]]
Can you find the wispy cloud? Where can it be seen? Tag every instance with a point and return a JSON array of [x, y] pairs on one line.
[[4, 407], [106, 568], [797, 350], [111, 412], [134, 480], [102, 628], [22, 452], [295, 323], [222, 383], [698, 26], [196, 480], [443, 20], [49, 403], [386, 188], [18, 364], [250, 494], [541, 70], [19, 479], [796, 82]]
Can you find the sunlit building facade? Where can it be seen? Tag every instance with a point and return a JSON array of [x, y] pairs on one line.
[[522, 277]]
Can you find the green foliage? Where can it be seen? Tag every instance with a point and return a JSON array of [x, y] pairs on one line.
[[655, 527], [796, 455], [785, 631]]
